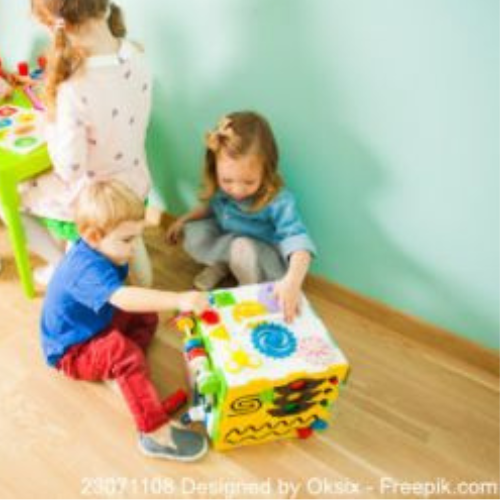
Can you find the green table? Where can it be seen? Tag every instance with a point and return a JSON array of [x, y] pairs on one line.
[[14, 169]]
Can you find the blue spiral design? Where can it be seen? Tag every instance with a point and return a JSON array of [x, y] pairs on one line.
[[273, 340]]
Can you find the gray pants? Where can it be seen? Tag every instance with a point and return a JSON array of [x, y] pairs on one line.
[[207, 244]]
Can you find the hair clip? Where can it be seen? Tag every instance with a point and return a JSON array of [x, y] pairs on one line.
[[223, 125], [222, 131], [212, 142]]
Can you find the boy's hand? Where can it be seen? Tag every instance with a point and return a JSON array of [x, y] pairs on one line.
[[174, 231], [287, 294], [195, 302]]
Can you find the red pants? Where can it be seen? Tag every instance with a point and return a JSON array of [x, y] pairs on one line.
[[119, 353]]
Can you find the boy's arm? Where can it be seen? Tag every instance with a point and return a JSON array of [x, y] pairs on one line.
[[139, 300]]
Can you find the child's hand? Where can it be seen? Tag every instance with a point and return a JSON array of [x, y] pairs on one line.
[[5, 89], [174, 231], [192, 302], [287, 294]]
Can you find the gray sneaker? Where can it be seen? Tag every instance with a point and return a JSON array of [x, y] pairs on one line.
[[188, 446]]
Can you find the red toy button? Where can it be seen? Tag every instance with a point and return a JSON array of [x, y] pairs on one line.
[[23, 68], [210, 317], [304, 432], [196, 353], [297, 385]]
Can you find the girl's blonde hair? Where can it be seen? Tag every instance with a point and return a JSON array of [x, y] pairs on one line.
[[63, 59], [239, 134], [104, 205]]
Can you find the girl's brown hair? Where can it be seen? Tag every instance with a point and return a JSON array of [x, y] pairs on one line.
[[239, 134], [63, 58]]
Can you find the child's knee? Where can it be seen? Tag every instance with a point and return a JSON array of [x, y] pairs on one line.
[[123, 354], [243, 245], [243, 260], [131, 361]]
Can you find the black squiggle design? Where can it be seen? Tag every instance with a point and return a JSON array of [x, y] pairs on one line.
[[273, 429], [245, 405]]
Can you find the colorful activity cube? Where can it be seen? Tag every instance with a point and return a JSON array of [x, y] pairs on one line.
[[256, 378]]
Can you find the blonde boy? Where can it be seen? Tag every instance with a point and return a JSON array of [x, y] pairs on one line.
[[95, 327]]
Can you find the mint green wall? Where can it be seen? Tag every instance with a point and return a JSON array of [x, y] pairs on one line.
[[387, 116]]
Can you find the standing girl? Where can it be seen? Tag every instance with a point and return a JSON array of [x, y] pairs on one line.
[[98, 99], [249, 223]]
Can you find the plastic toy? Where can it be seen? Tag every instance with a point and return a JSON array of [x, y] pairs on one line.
[[23, 69], [33, 85], [34, 93], [30, 81], [256, 378]]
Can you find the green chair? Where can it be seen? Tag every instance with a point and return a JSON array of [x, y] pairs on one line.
[[14, 169]]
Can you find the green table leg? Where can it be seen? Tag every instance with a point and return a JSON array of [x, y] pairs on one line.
[[9, 199], [14, 169]]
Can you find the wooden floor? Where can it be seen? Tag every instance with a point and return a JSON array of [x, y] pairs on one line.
[[409, 413]]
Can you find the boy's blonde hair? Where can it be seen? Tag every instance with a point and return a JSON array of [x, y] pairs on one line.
[[239, 134], [104, 205], [63, 58]]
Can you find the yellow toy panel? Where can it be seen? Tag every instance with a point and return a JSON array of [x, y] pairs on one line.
[[255, 377]]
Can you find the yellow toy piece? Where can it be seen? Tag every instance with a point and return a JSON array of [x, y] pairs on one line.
[[220, 333], [240, 359], [248, 309], [185, 324], [27, 118]]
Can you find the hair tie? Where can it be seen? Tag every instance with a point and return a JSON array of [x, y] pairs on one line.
[[59, 23]]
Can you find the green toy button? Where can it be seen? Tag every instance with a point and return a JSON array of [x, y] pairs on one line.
[[209, 384], [223, 299], [267, 396]]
